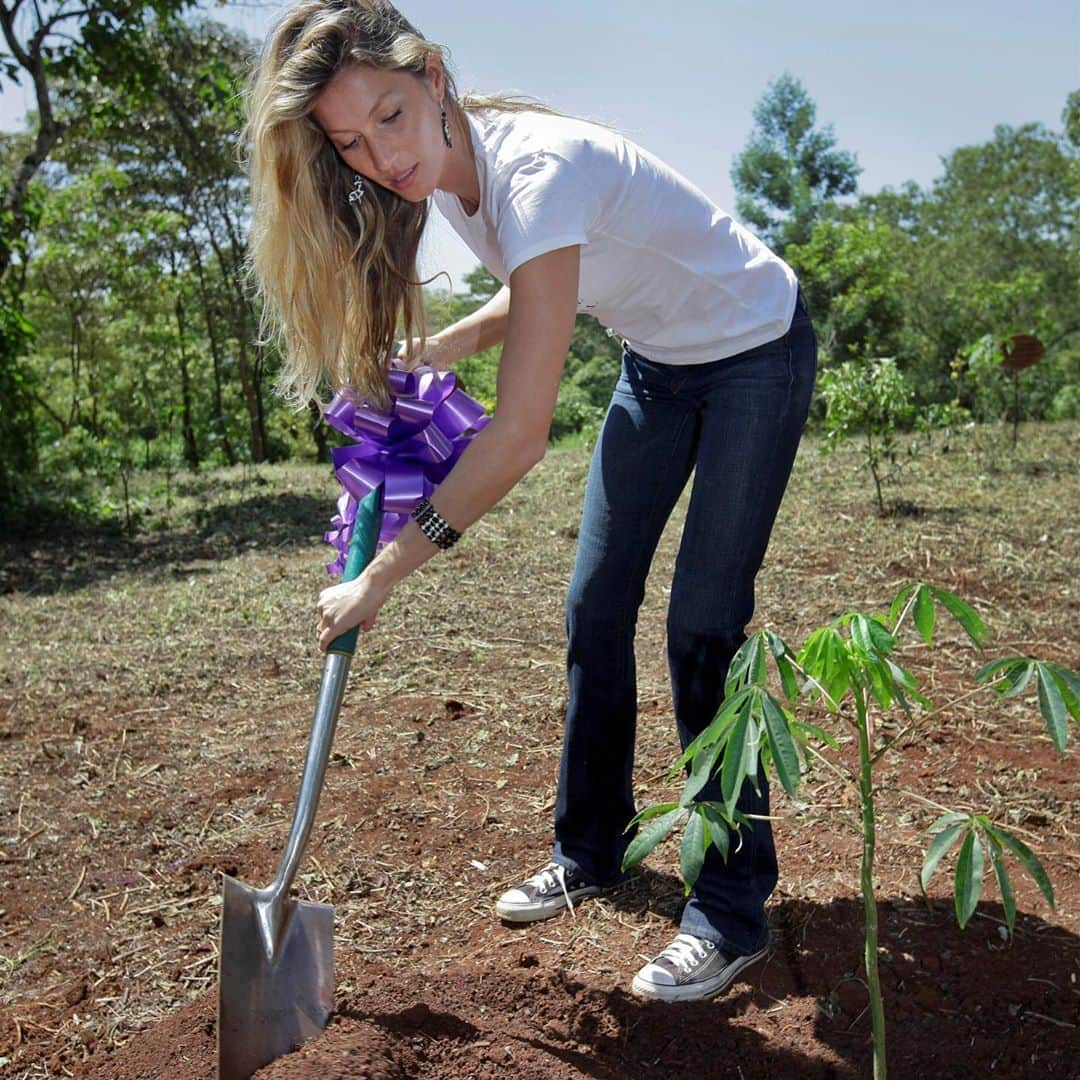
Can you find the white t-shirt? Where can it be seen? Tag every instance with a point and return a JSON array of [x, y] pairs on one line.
[[661, 266]]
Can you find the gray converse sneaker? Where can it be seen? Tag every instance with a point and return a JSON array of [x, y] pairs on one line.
[[690, 969], [545, 894]]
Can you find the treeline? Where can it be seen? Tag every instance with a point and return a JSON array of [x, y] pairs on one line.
[[129, 330], [939, 279]]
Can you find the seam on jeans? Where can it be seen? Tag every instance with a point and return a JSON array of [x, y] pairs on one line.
[[688, 415], [790, 377]]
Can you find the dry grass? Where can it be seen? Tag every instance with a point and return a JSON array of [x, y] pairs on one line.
[[155, 695]]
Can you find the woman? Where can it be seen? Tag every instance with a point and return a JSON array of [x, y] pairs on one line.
[[354, 124]]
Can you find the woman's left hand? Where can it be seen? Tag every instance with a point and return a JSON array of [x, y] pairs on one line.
[[435, 355], [349, 604]]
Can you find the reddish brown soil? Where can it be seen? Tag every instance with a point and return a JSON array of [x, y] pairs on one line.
[[163, 747], [473, 998], [799, 1015]]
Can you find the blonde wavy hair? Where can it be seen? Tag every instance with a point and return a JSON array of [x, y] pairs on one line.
[[337, 279]]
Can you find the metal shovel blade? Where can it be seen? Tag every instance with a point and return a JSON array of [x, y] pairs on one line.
[[270, 1001]]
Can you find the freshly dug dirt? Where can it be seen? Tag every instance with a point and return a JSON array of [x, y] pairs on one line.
[[791, 1017]]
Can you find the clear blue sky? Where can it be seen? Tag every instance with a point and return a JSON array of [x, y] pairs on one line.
[[901, 88]]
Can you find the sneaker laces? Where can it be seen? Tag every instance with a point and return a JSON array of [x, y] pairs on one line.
[[686, 951], [554, 874]]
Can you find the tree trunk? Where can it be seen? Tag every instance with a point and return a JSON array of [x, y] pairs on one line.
[[251, 397], [191, 447], [318, 433], [232, 273], [215, 353], [48, 134]]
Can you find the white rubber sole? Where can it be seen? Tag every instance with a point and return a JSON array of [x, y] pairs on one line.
[[696, 991], [527, 913]]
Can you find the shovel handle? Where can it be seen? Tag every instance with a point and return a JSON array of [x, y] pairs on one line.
[[331, 690], [365, 536]]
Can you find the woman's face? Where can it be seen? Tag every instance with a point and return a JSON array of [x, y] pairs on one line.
[[387, 125]]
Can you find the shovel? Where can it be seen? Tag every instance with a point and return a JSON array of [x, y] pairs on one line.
[[276, 975]]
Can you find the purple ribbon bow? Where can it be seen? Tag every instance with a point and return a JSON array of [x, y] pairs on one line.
[[408, 448]]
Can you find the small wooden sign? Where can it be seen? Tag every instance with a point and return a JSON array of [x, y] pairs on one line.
[[1021, 351]]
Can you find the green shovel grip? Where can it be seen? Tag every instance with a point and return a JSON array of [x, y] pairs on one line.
[[361, 551]]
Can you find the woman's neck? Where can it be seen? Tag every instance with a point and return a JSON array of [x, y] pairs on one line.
[[459, 176]]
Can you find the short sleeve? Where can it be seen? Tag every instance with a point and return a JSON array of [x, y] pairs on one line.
[[544, 206]]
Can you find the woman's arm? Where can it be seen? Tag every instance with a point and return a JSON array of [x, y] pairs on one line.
[[481, 329], [539, 326]]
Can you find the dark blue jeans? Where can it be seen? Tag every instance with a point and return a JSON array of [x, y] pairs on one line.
[[736, 424]]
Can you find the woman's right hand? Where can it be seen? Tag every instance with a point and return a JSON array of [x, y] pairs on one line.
[[349, 604]]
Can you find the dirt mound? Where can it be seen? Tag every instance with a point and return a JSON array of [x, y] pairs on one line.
[[959, 1011]]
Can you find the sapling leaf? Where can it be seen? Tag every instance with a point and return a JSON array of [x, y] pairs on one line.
[[785, 754], [1052, 707], [1008, 897], [741, 757], [969, 875], [702, 769], [718, 829], [883, 641], [731, 774], [692, 853], [782, 658], [753, 746], [801, 729], [860, 634], [808, 656], [870, 635], [950, 818], [898, 603], [650, 812], [880, 679], [758, 672], [997, 667], [834, 673], [924, 614], [905, 686], [1069, 684], [747, 666], [777, 645], [648, 837], [1029, 860], [938, 846], [966, 616], [718, 729], [788, 679], [1017, 678], [1012, 673]]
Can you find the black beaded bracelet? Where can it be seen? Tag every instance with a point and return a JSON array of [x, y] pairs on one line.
[[434, 526]]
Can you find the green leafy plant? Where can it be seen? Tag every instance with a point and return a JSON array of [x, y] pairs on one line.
[[851, 667], [871, 400]]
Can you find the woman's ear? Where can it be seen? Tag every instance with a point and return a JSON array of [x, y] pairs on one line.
[[435, 77]]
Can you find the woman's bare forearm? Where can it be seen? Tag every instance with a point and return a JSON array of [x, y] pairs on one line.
[[491, 465], [482, 329]]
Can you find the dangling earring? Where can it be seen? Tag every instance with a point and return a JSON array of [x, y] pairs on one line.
[[446, 130], [356, 196]]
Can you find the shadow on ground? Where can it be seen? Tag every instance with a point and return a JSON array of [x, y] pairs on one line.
[[71, 555]]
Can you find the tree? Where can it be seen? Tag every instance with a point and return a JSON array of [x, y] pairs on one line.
[[1070, 118], [995, 251], [85, 42], [789, 170], [852, 271]]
